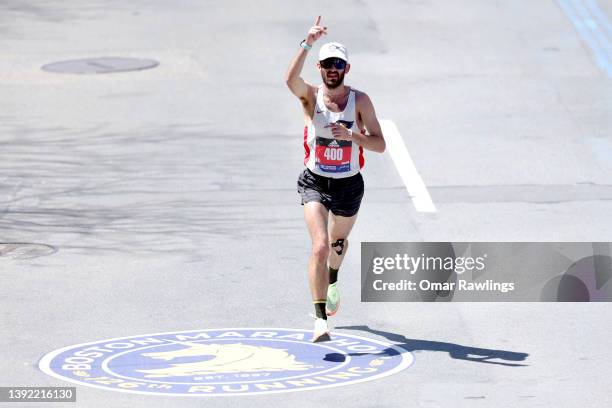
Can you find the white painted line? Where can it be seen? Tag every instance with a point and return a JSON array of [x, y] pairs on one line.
[[406, 169]]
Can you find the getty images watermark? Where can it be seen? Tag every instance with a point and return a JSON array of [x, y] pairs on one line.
[[486, 271]]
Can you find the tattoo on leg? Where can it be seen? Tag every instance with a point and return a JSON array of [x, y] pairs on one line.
[[338, 244]]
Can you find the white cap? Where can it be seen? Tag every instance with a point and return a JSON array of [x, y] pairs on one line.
[[331, 50]]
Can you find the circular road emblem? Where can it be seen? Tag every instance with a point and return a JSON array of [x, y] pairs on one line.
[[224, 362]]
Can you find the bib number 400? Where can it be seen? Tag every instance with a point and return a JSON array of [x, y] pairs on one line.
[[331, 153], [333, 156]]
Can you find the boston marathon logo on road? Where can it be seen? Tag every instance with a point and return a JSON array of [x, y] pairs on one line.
[[225, 362]]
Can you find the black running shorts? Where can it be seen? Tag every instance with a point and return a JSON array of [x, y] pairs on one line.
[[342, 196]]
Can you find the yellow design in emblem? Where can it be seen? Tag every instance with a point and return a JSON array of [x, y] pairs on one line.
[[377, 362], [227, 358]]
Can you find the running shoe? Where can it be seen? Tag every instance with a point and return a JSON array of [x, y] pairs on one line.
[[321, 332], [333, 299]]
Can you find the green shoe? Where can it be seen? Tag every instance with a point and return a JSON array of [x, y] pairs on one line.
[[333, 299]]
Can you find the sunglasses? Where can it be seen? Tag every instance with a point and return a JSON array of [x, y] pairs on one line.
[[333, 62]]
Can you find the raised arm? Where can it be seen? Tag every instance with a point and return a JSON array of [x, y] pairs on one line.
[[294, 81]]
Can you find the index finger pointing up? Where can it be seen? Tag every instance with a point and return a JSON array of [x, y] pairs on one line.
[[317, 21]]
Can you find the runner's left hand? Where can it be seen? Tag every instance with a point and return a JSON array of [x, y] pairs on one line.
[[340, 131]]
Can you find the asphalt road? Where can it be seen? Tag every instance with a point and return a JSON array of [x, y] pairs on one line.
[[164, 199]]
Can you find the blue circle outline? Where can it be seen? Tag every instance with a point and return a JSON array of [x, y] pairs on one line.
[[407, 359]]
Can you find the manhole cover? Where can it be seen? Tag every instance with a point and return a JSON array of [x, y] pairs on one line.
[[102, 65], [20, 250]]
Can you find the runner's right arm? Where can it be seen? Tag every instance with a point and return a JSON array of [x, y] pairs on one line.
[[294, 81]]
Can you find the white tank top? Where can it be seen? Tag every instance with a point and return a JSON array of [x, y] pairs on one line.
[[325, 155]]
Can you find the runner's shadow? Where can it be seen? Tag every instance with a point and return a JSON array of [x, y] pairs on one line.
[[456, 351]]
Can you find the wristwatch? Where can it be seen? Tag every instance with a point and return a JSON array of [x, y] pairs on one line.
[[305, 46]]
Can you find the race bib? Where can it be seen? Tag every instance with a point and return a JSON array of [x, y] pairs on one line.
[[333, 156]]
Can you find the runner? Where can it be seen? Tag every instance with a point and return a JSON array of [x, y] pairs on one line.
[[336, 119]]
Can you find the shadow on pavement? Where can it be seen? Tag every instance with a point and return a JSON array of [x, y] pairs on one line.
[[457, 351]]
